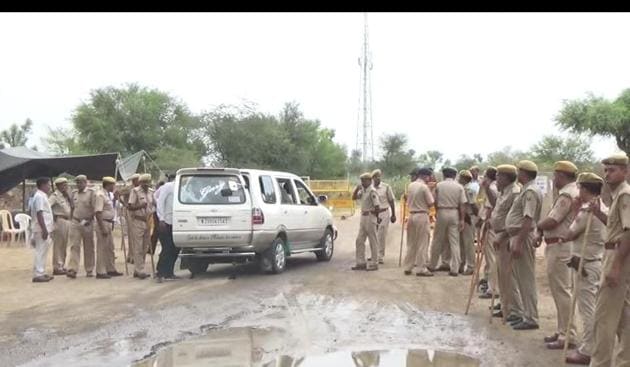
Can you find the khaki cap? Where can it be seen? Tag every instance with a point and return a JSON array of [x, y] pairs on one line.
[[61, 180], [507, 168], [145, 178], [589, 177], [618, 159], [527, 166], [465, 173], [565, 166], [377, 172], [475, 167], [81, 178], [366, 176], [135, 176], [109, 179]]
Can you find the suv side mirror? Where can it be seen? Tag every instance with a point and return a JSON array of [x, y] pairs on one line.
[[322, 198]]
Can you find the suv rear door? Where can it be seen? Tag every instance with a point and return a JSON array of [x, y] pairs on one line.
[[211, 209]]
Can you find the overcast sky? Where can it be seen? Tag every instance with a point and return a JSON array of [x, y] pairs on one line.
[[457, 83]]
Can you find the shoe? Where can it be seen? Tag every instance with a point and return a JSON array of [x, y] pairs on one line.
[[468, 271], [103, 276], [381, 262], [498, 314], [407, 272], [526, 325], [71, 274], [158, 279], [114, 273], [559, 345], [171, 278], [42, 279], [552, 338], [513, 318], [483, 288], [497, 306], [89, 274], [443, 268], [453, 274], [514, 323], [59, 272], [486, 295], [140, 275], [424, 274], [359, 267], [575, 357], [482, 282], [372, 268], [461, 269]]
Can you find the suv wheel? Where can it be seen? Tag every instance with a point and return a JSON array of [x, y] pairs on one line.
[[198, 266], [274, 259], [327, 245]]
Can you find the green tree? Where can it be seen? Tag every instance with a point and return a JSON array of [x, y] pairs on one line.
[[465, 161], [553, 148], [355, 163], [16, 136], [431, 158], [396, 159], [598, 116], [505, 156]]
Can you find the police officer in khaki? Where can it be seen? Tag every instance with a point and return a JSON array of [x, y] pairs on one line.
[[586, 284], [141, 206], [467, 235], [508, 190], [104, 213], [555, 227], [419, 200], [61, 206], [521, 227], [82, 228], [489, 187], [612, 310], [124, 194], [387, 213], [370, 206], [449, 201]]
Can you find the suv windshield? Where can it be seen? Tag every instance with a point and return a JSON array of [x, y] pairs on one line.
[[211, 189]]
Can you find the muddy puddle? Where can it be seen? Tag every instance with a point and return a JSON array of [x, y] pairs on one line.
[[264, 347]]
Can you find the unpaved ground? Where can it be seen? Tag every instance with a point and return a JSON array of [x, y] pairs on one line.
[[318, 307]]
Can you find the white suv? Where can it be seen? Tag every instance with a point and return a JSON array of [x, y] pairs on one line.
[[226, 215]]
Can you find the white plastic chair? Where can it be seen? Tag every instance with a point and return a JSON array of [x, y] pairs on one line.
[[24, 224], [6, 220]]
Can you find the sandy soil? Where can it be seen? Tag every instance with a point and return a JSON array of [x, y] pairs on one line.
[[318, 307]]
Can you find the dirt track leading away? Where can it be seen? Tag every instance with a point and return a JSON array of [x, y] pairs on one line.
[[311, 309]]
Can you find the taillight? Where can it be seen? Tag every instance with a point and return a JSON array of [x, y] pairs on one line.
[[257, 216]]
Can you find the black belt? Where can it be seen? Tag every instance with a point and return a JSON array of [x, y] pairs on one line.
[[611, 245], [60, 216], [109, 220], [551, 241], [418, 212]]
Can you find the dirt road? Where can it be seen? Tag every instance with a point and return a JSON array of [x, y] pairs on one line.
[[311, 309]]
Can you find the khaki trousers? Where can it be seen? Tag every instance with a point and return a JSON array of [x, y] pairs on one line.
[[128, 224], [467, 246], [418, 231], [79, 235], [524, 270], [60, 237], [510, 298], [367, 230], [446, 235], [141, 243], [490, 268], [381, 233], [557, 256], [586, 292], [105, 257]]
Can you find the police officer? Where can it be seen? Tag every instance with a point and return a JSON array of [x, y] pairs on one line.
[[387, 212], [82, 228], [370, 206], [104, 213], [466, 238], [62, 209], [419, 200], [141, 206]]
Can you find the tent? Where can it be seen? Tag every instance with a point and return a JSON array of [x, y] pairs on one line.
[[21, 163], [130, 165]]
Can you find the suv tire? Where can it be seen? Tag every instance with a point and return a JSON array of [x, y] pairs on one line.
[[327, 245]]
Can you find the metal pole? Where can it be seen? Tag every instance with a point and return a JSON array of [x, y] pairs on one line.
[[365, 63], [24, 195]]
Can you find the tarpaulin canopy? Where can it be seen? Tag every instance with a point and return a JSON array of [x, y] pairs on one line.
[[128, 166], [20, 163]]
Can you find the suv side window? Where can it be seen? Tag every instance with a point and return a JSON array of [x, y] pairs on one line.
[[305, 196], [287, 195], [267, 190]]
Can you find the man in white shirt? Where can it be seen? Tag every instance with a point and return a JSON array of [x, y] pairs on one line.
[[169, 253], [42, 226]]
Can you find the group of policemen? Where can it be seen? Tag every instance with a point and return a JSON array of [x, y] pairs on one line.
[[586, 236], [79, 214]]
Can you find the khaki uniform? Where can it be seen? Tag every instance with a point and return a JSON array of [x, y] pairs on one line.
[[587, 286], [527, 204], [62, 209], [490, 268], [124, 195], [105, 257], [385, 195], [612, 311], [139, 225], [558, 254], [450, 195], [367, 227], [418, 227], [467, 236], [510, 298], [82, 233]]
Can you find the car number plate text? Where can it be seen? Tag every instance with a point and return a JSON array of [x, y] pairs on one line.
[[213, 221]]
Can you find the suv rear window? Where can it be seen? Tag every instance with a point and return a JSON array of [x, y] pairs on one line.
[[211, 189]]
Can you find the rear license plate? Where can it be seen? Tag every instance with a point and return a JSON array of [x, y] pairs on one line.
[[213, 221]]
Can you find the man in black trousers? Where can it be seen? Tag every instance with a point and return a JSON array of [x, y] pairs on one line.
[[169, 253]]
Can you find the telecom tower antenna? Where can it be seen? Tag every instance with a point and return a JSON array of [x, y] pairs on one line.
[[365, 134]]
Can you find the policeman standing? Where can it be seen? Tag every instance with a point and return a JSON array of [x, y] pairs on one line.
[[370, 206]]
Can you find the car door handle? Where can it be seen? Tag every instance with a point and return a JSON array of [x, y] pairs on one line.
[[306, 212], [286, 212]]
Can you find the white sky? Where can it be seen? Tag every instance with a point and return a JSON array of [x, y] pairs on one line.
[[458, 83]]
